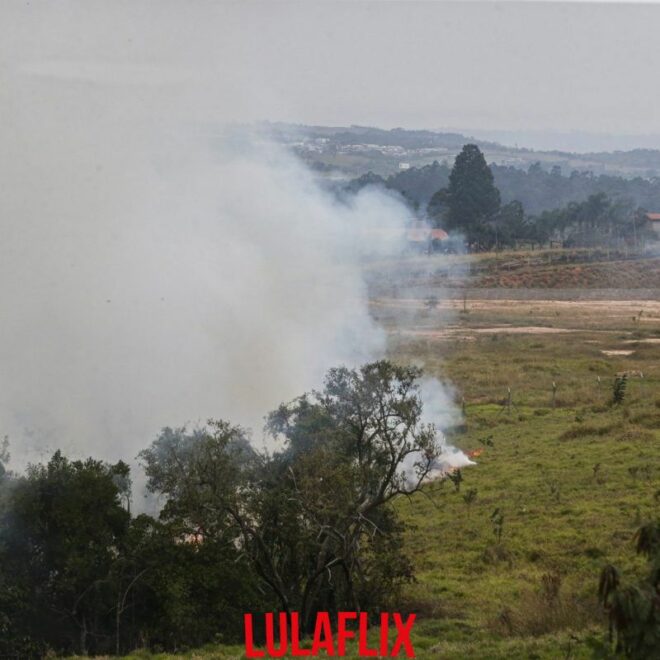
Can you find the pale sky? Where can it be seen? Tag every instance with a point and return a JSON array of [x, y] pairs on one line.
[[150, 276], [533, 66]]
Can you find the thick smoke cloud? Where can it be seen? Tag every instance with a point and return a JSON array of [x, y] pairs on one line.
[[221, 284], [157, 269]]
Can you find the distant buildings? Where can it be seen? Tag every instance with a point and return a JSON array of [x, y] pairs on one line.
[[418, 236], [421, 236], [654, 219]]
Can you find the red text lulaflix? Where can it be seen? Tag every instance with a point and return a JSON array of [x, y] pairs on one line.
[[332, 635]]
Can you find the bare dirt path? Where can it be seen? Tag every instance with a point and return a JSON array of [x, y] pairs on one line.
[[459, 320]]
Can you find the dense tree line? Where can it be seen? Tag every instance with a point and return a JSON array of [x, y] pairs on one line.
[[307, 528], [471, 206], [541, 190], [536, 188], [489, 206], [79, 575]]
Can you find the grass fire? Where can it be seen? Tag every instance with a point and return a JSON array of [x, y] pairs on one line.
[[329, 329]]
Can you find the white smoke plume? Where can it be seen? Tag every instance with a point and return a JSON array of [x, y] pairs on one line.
[[154, 271]]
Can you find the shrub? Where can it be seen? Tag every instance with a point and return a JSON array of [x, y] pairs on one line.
[[619, 389]]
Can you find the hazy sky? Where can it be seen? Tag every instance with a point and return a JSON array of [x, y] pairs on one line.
[[150, 275], [494, 65], [142, 280]]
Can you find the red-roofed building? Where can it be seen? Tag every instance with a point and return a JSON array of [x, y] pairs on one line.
[[422, 236], [654, 219], [439, 235]]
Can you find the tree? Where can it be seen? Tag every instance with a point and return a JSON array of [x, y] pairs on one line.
[[471, 199], [313, 519], [309, 528], [511, 225], [60, 532], [175, 589], [355, 446], [4, 456], [201, 472], [77, 576], [634, 610]]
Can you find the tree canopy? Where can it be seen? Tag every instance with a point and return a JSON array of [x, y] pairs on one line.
[[307, 528], [471, 199]]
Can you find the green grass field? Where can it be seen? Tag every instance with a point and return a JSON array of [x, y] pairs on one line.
[[573, 476]]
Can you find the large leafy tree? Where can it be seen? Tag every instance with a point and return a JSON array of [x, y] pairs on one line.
[[354, 446], [307, 528], [176, 589], [78, 576], [60, 532], [313, 519], [471, 200]]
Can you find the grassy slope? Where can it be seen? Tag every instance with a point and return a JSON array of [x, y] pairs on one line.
[[544, 273], [561, 515], [478, 598], [537, 269]]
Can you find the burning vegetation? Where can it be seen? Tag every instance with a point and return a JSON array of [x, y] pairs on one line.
[[309, 528]]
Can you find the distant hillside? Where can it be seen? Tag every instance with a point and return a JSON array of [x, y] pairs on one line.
[[565, 271], [357, 135], [546, 274], [352, 150]]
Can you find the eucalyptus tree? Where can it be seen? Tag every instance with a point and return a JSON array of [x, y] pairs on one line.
[[314, 519]]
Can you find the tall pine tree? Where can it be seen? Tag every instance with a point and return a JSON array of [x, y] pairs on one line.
[[471, 199]]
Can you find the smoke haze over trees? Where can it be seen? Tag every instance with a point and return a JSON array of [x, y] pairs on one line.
[[593, 211], [536, 188], [309, 528]]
